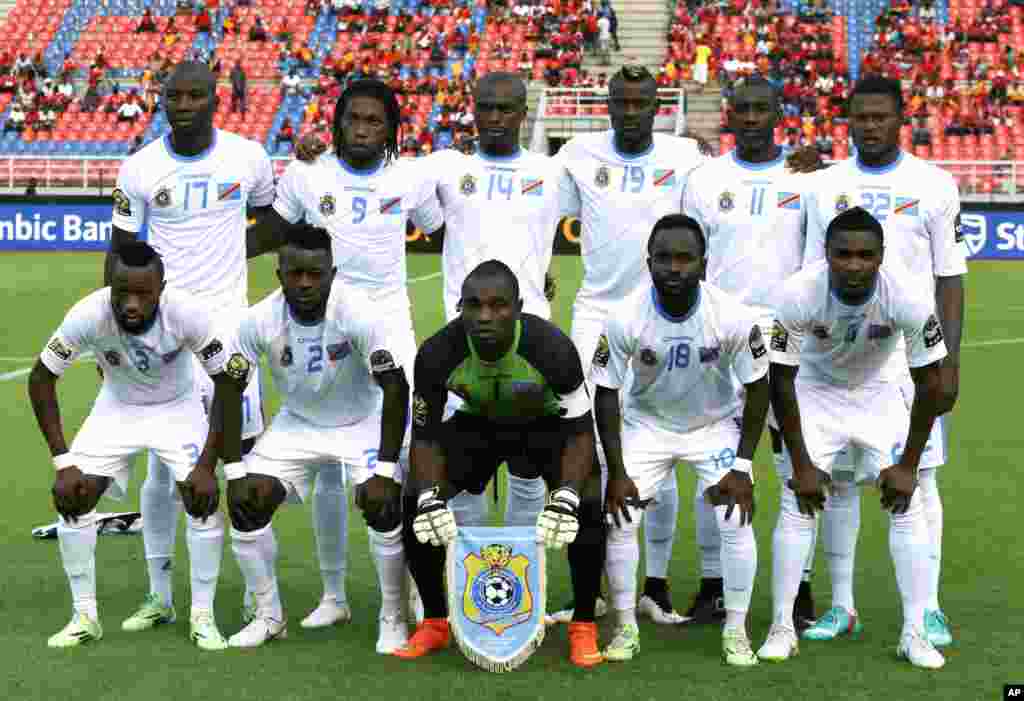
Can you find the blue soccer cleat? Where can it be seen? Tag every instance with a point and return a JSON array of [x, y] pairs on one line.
[[837, 621]]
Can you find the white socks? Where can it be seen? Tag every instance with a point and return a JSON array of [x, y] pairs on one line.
[[524, 500], [256, 552], [910, 546], [78, 553], [739, 565], [785, 471], [792, 540], [708, 538], [205, 548], [840, 528], [660, 529], [621, 564], [469, 509], [160, 506], [389, 557], [330, 526], [928, 491]]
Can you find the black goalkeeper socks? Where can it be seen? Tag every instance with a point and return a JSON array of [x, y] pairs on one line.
[[426, 564]]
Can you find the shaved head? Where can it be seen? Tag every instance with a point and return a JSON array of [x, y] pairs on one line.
[[194, 71], [511, 82]]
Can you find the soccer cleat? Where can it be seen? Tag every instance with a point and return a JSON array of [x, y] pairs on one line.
[[836, 621], [151, 613], [432, 634], [329, 612], [736, 648], [583, 650], [803, 608], [565, 615], [259, 631], [204, 632], [936, 629], [915, 648], [661, 612], [393, 635], [79, 631], [624, 645], [781, 644]]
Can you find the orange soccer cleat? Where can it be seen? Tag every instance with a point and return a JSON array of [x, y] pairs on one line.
[[432, 634], [583, 650]]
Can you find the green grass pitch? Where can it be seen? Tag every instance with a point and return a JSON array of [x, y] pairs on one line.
[[982, 560]]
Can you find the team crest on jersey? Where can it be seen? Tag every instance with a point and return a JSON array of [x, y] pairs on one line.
[[122, 205], [467, 186], [756, 342], [60, 350], [327, 205], [113, 358], [648, 356], [286, 357], [603, 177], [932, 332], [419, 410], [780, 337], [726, 202], [163, 197], [842, 203], [602, 354]]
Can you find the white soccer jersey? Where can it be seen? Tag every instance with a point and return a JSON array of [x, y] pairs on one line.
[[504, 208], [148, 368], [752, 216], [323, 371], [687, 372], [851, 346], [618, 199], [194, 209], [365, 214], [917, 203]]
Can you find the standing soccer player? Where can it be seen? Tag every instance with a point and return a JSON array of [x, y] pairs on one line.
[[839, 323], [619, 183], [684, 353], [918, 206], [143, 337], [345, 400], [525, 403], [363, 196], [749, 205], [191, 190]]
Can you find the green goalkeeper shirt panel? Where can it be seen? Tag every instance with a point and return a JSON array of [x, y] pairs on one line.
[[541, 376]]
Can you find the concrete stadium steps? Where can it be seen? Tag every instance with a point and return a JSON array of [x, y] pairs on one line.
[[643, 25]]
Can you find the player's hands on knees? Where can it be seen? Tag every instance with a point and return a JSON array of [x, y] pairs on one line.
[[379, 498], [200, 492], [559, 522], [309, 147], [69, 493], [811, 489], [621, 498], [736, 489], [434, 522], [897, 484]]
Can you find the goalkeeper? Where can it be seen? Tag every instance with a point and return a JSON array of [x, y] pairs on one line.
[[525, 403]]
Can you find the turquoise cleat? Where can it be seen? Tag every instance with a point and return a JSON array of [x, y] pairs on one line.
[[936, 629], [836, 621]]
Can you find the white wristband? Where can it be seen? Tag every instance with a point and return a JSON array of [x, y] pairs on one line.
[[385, 469], [64, 461], [234, 470], [742, 465]]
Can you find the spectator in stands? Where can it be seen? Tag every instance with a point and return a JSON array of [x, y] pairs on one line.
[[16, 119], [285, 134], [147, 23], [131, 110], [203, 23], [91, 99], [22, 65], [312, 8], [184, 7], [8, 84], [239, 89], [700, 65], [47, 119], [231, 23], [258, 31], [292, 84], [171, 34]]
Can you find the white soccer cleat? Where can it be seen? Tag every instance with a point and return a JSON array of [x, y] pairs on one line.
[[261, 630], [204, 633], [651, 609], [79, 631], [565, 615], [781, 645], [915, 648], [150, 614], [393, 635], [328, 613], [736, 648]]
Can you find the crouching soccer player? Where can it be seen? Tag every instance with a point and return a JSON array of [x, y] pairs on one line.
[[685, 345], [525, 402], [839, 322], [137, 331], [345, 406]]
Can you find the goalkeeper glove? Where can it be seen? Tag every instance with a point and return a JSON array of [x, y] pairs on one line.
[[558, 524], [434, 522]]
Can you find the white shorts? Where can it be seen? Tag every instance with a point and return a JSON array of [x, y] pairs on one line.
[[700, 73], [587, 327], [872, 423], [115, 432], [293, 450], [936, 451], [650, 453]]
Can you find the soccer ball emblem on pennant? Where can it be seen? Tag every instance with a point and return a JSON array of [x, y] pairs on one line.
[[497, 595]]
